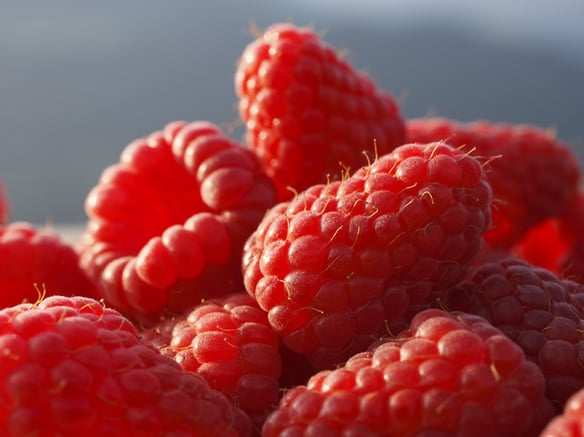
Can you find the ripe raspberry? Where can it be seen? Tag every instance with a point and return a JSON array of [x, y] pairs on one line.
[[4, 205], [571, 422], [540, 312], [168, 222], [571, 219], [533, 175], [36, 261], [571, 264], [308, 113], [71, 367], [449, 374], [231, 344], [543, 246], [557, 244], [344, 261]]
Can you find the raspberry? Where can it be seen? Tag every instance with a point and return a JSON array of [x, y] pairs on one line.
[[4, 205], [450, 374], [540, 312], [571, 234], [557, 244], [543, 246], [36, 261], [571, 422], [296, 368], [572, 264], [533, 175], [231, 344], [71, 367], [342, 262], [308, 113], [571, 219], [167, 223]]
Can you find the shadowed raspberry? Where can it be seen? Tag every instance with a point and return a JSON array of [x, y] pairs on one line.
[[36, 262], [71, 367], [533, 175], [540, 312], [230, 343], [450, 374], [168, 222], [342, 262], [557, 244], [571, 422], [308, 113]]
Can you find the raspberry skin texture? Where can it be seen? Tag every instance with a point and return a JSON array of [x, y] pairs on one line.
[[542, 313], [36, 262], [308, 113], [4, 205], [231, 344], [533, 174], [571, 422], [342, 262], [168, 222], [449, 374], [72, 367]]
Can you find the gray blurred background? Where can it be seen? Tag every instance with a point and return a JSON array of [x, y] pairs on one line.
[[80, 80]]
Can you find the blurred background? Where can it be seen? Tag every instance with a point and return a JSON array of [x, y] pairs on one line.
[[80, 80]]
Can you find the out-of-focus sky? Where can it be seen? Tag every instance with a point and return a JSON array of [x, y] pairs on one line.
[[554, 25], [81, 80]]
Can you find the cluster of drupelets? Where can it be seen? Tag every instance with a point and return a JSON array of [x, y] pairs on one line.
[[345, 272]]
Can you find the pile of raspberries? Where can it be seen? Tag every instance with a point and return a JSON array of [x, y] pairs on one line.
[[341, 271]]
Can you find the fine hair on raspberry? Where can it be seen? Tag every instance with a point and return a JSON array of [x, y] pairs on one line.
[[340, 263]]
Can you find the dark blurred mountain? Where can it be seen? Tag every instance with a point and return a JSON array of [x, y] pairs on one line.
[[79, 82]]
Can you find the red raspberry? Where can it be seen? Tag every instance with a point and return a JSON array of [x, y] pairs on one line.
[[231, 344], [36, 262], [168, 222], [296, 368], [557, 244], [308, 113], [342, 262], [571, 422], [543, 314], [4, 205], [71, 367], [571, 264], [543, 246], [533, 175], [571, 219], [448, 375]]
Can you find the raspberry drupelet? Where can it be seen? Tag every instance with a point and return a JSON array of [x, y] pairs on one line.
[[532, 173], [72, 367], [230, 343], [36, 261], [571, 422], [167, 224], [308, 112], [449, 374], [542, 313], [342, 262]]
